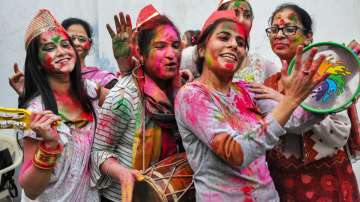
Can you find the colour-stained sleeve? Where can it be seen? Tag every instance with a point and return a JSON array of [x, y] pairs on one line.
[[330, 135], [196, 112], [334, 130], [105, 78], [112, 123], [299, 122]]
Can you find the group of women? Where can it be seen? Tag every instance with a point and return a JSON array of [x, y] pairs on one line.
[[244, 141]]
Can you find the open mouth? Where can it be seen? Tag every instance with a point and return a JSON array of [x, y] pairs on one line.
[[231, 57]]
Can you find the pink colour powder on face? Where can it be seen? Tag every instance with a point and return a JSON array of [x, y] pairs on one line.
[[229, 66]]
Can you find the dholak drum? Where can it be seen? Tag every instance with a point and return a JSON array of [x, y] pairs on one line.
[[341, 88], [169, 180]]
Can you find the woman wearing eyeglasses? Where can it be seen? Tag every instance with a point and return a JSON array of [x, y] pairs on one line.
[[310, 165], [80, 32]]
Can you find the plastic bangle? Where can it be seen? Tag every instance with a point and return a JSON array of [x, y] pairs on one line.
[[45, 158]]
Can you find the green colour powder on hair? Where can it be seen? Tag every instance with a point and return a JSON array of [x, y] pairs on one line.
[[238, 3], [56, 39], [294, 19]]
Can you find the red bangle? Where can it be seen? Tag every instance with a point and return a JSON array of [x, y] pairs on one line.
[[45, 158], [59, 148]]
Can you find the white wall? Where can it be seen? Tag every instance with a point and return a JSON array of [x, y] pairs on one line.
[[335, 20]]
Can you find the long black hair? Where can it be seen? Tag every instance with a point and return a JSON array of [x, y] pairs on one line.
[[36, 82]]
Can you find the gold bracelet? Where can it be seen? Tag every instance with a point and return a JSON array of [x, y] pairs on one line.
[[45, 158]]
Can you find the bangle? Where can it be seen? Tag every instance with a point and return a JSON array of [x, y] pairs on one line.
[[57, 150], [45, 158]]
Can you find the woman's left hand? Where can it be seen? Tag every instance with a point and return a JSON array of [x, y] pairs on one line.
[[263, 92], [355, 46], [303, 78]]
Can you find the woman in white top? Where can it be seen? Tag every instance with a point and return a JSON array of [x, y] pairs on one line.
[[56, 154]]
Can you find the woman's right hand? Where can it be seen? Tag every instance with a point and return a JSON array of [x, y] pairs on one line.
[[42, 123], [303, 78], [127, 178]]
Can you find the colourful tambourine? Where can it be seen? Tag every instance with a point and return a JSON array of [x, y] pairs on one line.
[[13, 118], [341, 88]]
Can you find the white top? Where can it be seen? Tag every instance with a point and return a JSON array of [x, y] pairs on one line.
[[70, 180]]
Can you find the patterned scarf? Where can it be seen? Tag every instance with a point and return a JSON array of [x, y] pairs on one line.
[[161, 132]]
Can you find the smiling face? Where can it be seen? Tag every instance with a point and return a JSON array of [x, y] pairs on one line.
[[285, 46], [80, 39], [162, 59], [55, 52], [224, 50]]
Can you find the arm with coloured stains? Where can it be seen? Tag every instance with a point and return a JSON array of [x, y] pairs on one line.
[[32, 178], [196, 111], [300, 120], [297, 86], [112, 123]]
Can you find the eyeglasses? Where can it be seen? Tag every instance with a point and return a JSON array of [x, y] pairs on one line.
[[287, 30], [81, 39]]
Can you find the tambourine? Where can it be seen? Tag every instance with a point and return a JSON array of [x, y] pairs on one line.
[[341, 88], [13, 118]]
